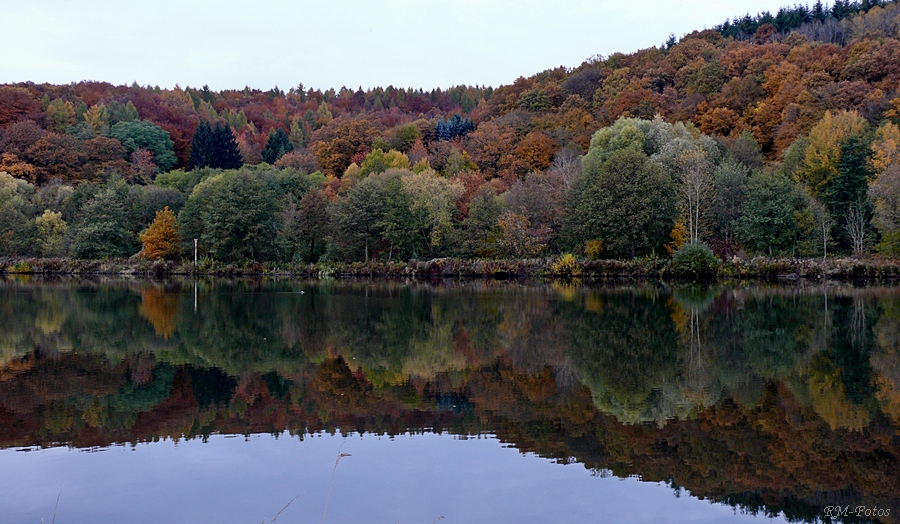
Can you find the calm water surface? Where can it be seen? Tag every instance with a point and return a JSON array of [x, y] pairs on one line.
[[224, 401]]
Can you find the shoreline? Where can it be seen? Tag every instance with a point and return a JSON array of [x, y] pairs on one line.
[[759, 268]]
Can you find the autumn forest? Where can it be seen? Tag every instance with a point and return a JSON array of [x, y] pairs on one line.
[[775, 134]]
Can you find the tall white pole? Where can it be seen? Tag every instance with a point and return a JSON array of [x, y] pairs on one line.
[[195, 252]]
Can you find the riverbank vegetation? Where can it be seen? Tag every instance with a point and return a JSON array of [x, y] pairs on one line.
[[774, 135], [566, 267]]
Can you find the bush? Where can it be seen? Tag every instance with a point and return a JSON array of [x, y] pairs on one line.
[[21, 267], [566, 266], [694, 261]]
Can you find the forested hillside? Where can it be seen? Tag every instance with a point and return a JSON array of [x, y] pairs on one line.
[[774, 134]]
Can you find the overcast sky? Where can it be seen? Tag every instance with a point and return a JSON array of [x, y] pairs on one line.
[[332, 43]]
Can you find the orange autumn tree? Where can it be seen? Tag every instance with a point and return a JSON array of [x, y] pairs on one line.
[[161, 240]]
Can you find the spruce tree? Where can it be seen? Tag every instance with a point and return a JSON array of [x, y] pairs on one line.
[[225, 148], [849, 187], [201, 147], [276, 146], [214, 147]]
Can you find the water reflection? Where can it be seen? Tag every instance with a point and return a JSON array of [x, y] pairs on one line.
[[772, 399]]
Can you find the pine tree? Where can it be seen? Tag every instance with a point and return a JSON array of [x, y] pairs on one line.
[[276, 146], [818, 11], [60, 114], [298, 136], [201, 147], [848, 189], [225, 148], [131, 113], [214, 147]]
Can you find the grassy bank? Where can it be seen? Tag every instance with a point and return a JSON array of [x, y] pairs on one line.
[[756, 268]]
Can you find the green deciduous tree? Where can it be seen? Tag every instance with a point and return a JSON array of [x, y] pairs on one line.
[[767, 224], [627, 202], [51, 229], [141, 134], [884, 194], [378, 162], [433, 206], [312, 221], [397, 225], [729, 187], [480, 230], [234, 215], [103, 228], [356, 219], [626, 133], [14, 199]]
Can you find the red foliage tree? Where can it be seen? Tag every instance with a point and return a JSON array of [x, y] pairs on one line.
[[17, 103]]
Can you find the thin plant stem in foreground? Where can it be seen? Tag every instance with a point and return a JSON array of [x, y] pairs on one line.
[[57, 505], [333, 471], [282, 509]]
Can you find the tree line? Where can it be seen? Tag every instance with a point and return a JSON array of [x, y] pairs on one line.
[[797, 16], [645, 188]]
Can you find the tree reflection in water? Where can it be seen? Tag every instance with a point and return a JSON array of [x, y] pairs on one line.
[[768, 398]]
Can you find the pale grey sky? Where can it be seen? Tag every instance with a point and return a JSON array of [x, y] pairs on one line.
[[332, 43]]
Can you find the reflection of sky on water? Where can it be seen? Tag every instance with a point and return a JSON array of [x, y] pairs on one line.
[[409, 479]]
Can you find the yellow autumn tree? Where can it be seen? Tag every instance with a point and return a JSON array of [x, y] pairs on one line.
[[97, 117], [161, 240], [886, 147], [823, 154], [679, 236]]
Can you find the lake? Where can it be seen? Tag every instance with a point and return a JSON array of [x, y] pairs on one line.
[[239, 401]]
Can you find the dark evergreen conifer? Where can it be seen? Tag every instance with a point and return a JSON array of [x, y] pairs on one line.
[[848, 188], [818, 11], [214, 147], [456, 126], [225, 149], [201, 147], [276, 146]]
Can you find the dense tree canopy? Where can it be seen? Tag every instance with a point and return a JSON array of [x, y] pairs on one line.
[[627, 203], [802, 103], [146, 135]]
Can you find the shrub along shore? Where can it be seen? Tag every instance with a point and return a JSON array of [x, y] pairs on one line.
[[565, 267]]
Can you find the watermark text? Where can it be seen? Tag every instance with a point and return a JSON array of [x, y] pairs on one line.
[[834, 512]]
